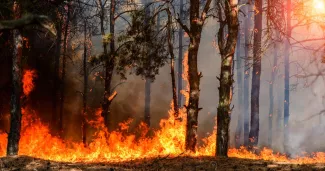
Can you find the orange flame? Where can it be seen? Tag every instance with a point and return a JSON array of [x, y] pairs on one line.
[[36, 141], [28, 85]]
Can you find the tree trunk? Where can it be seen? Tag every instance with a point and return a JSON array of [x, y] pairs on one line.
[[147, 100], [227, 50], [85, 92], [180, 57], [193, 77], [15, 106], [271, 90], [64, 62], [256, 75], [109, 63], [148, 81], [286, 78], [172, 64], [238, 137], [247, 72], [56, 73]]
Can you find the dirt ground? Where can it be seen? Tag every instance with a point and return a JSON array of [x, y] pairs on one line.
[[164, 164]]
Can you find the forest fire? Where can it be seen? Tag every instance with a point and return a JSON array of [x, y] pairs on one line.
[[36, 141]]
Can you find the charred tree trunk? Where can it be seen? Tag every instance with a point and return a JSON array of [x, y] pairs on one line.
[[56, 74], [148, 81], [227, 46], [286, 78], [256, 75], [64, 62], [239, 128], [109, 63], [196, 24], [271, 91], [85, 91], [180, 57], [15, 106], [147, 99], [172, 64], [247, 72]]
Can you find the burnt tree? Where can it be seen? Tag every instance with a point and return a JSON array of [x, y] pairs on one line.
[[256, 75], [194, 31], [228, 18], [15, 105]]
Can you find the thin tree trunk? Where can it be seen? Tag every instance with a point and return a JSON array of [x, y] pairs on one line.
[[238, 137], [64, 62], [271, 91], [227, 46], [247, 72], [147, 99], [148, 81], [15, 106], [56, 74], [180, 57], [85, 92], [256, 75], [172, 63], [286, 78]]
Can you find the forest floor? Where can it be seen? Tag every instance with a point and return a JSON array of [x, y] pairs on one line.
[[177, 164]]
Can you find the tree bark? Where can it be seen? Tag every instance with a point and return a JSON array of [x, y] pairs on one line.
[[172, 64], [109, 62], [271, 90], [15, 105], [227, 45], [56, 73], [256, 75], [147, 100], [85, 91], [247, 72], [238, 137], [64, 62], [180, 57], [286, 78]]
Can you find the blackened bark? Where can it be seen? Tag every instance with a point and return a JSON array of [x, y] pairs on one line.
[[227, 46], [15, 106], [85, 91], [180, 57], [147, 100], [287, 79], [256, 75], [196, 25], [172, 63], [109, 62], [64, 62], [56, 73], [247, 72], [238, 134]]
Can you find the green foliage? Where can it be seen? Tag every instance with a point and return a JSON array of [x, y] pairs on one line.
[[143, 47], [107, 38]]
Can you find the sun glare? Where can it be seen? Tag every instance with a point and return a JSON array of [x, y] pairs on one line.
[[319, 6]]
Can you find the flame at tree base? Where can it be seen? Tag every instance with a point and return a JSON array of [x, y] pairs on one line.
[[36, 141]]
